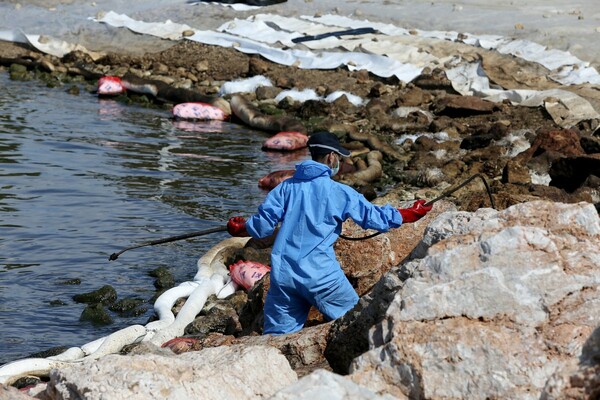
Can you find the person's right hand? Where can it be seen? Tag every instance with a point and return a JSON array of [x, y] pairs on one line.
[[236, 226], [414, 213]]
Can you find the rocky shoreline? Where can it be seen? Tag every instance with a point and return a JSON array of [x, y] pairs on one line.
[[430, 136], [429, 139], [466, 305]]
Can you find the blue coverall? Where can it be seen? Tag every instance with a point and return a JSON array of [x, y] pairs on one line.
[[304, 270]]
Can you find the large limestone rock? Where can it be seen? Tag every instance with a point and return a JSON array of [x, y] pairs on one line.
[[303, 349], [494, 303], [228, 372], [365, 263], [491, 304], [325, 385]]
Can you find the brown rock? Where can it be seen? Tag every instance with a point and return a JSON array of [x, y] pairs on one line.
[[565, 142], [425, 143], [160, 68], [570, 173], [267, 92], [590, 144], [454, 105], [201, 66], [414, 97], [556, 194], [257, 66], [515, 173], [378, 90], [376, 106], [285, 82], [437, 80], [362, 76], [343, 104]]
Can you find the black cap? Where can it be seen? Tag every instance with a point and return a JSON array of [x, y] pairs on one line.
[[325, 142]]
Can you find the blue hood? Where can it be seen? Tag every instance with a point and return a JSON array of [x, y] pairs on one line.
[[310, 169]]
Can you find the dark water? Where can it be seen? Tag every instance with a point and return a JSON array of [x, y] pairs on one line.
[[83, 177]]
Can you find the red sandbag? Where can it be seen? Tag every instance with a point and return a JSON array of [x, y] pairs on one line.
[[200, 111], [247, 273], [273, 179], [110, 85], [286, 141]]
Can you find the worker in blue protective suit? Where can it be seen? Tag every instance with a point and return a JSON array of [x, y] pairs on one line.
[[311, 208]]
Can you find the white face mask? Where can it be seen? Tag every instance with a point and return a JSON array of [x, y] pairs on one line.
[[336, 169]]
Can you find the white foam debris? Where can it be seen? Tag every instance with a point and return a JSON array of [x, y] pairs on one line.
[[440, 154], [356, 100], [439, 137], [516, 142], [310, 94], [539, 179], [244, 85], [298, 95]]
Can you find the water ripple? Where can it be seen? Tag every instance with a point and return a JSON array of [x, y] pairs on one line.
[[84, 177]]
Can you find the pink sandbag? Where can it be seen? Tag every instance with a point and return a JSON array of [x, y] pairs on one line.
[[110, 85], [247, 273], [287, 141], [273, 179], [202, 111]]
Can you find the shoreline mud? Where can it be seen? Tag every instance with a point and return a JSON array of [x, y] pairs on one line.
[[403, 121]]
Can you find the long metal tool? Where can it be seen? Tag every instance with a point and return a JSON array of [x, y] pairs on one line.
[[442, 196], [114, 256], [449, 192]]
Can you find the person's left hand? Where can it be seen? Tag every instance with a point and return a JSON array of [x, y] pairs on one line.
[[414, 213]]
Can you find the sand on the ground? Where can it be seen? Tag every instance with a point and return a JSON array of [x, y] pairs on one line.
[[569, 26]]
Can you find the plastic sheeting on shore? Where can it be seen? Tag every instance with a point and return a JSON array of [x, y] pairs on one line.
[[389, 51], [269, 29], [45, 44], [393, 51]]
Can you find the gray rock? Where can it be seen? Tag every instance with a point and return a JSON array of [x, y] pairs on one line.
[[499, 301], [325, 385], [491, 304], [234, 372]]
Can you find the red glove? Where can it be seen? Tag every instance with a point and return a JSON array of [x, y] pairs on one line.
[[414, 213], [236, 226]]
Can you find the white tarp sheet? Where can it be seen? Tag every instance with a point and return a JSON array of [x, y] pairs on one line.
[[389, 52], [45, 44], [272, 29]]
